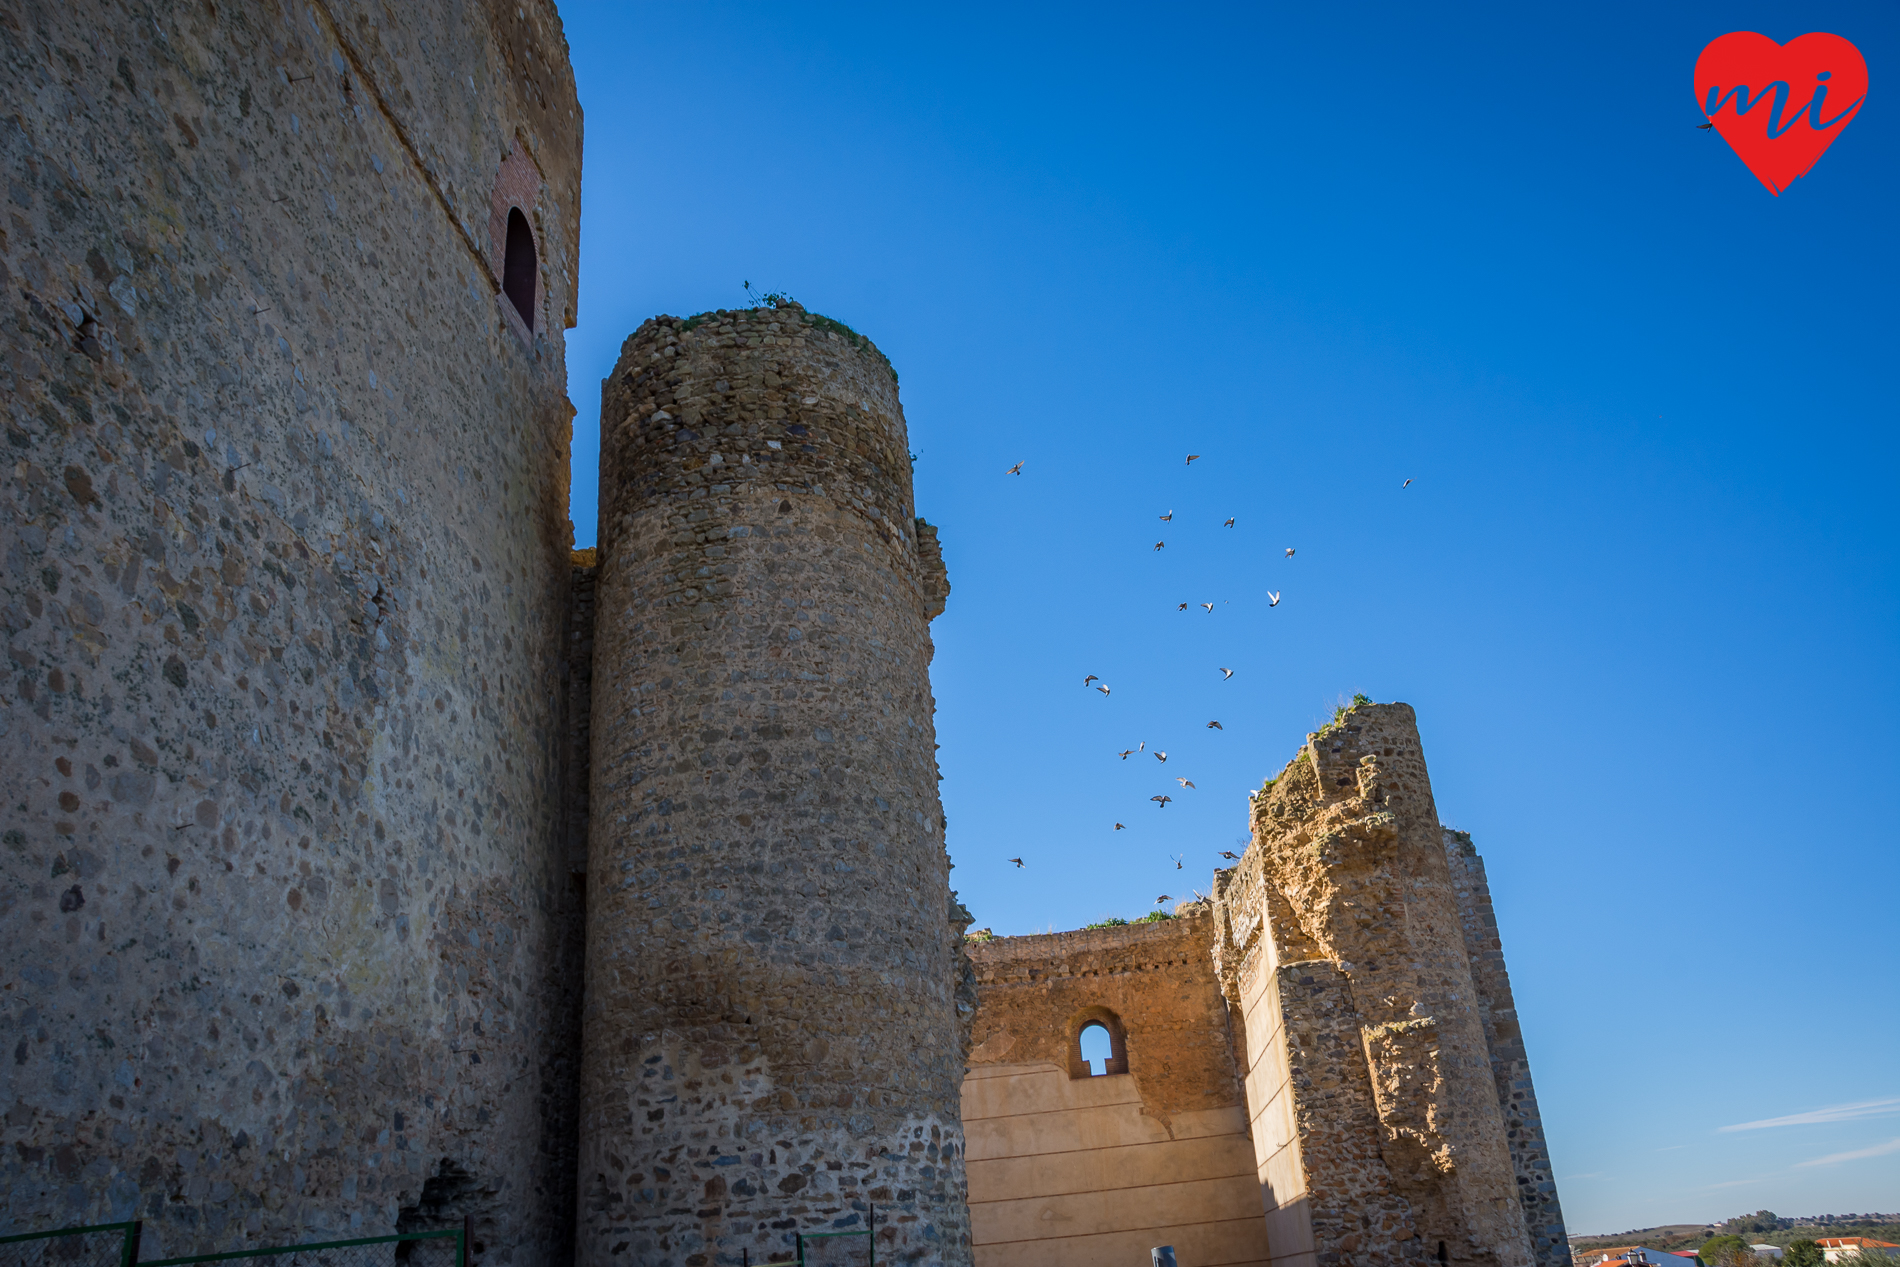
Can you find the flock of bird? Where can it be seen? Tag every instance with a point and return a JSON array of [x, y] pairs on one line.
[[1163, 800]]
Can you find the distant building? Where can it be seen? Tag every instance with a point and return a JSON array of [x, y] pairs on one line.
[[1634, 1256], [1835, 1248], [1767, 1251]]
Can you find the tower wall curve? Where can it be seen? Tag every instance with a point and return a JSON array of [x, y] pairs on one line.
[[772, 1034]]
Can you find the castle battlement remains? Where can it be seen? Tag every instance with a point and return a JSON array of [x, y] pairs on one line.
[[1331, 1040], [372, 861]]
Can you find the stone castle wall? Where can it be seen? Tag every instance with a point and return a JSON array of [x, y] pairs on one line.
[[1066, 1168], [285, 542], [1342, 945], [1342, 1001], [772, 1033], [1510, 1065], [370, 862]]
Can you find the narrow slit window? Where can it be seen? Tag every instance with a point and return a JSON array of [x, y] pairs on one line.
[[520, 270], [1098, 1048]]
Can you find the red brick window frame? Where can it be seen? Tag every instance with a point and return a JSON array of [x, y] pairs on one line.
[[515, 205], [1117, 1061]]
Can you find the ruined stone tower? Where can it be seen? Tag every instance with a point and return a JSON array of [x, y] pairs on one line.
[[772, 1032], [1332, 1037], [371, 862], [1393, 1114]]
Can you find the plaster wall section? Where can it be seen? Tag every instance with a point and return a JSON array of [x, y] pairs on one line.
[[1067, 1168], [285, 556], [1348, 869], [1510, 1064], [1244, 962], [773, 1040]]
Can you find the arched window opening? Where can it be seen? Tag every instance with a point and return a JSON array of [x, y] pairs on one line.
[[1097, 1049], [520, 270], [1098, 1045]]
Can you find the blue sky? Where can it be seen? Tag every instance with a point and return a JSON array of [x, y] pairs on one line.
[[1642, 590]]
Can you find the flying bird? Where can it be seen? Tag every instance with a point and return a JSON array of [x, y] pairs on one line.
[[1161, 545], [1141, 745], [1103, 689], [1015, 470], [1704, 127], [1225, 674], [1229, 523], [1214, 725], [1090, 678], [1273, 598], [1230, 855], [1119, 827], [1168, 518], [1210, 608], [1192, 457], [1407, 484], [1127, 753], [1162, 799], [1186, 783], [1163, 898], [1183, 607], [1253, 794], [1289, 552], [1017, 861], [1177, 861], [1162, 757]]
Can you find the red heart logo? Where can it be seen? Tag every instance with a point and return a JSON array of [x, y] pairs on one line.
[[1779, 106]]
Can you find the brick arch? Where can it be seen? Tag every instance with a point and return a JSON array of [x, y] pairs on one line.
[[1117, 1061], [518, 188]]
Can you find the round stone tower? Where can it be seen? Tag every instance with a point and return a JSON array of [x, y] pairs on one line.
[[774, 1037]]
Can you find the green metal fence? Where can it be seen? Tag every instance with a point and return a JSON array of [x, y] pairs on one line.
[[856, 1248], [447, 1248], [117, 1245], [101, 1245]]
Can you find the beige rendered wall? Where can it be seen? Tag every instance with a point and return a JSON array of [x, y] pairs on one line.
[[1262, 1040], [1072, 1171]]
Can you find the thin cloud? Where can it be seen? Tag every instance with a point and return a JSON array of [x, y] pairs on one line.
[[1836, 1113], [1878, 1150], [1733, 1183]]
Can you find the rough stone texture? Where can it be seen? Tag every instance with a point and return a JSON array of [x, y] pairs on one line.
[[1038, 992], [1345, 922], [1342, 1001], [285, 542], [1350, 1198], [1510, 1065], [1066, 1168], [577, 675], [772, 1033]]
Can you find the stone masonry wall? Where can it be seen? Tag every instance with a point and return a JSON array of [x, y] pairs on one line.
[[285, 559], [1157, 978], [1348, 868], [772, 1033], [1355, 1210], [1510, 1065], [1069, 1167]]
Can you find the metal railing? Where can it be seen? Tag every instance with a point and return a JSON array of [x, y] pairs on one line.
[[101, 1245], [117, 1245], [834, 1249]]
